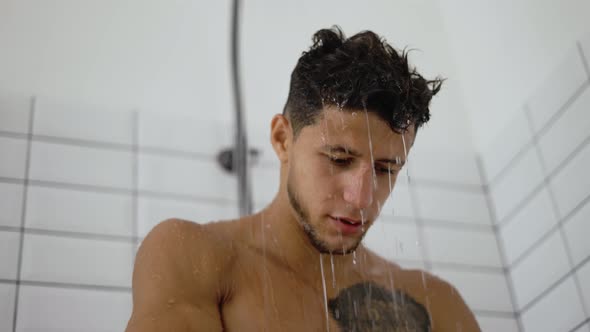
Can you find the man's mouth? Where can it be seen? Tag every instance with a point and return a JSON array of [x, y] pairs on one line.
[[347, 226], [348, 220]]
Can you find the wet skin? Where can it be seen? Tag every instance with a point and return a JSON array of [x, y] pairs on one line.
[[291, 266]]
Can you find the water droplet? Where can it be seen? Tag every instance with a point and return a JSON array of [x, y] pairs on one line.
[[325, 293], [374, 174], [354, 257], [333, 274], [406, 158]]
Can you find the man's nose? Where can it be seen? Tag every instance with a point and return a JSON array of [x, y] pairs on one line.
[[360, 188]]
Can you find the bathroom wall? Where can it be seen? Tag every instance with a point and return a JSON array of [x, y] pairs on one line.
[[503, 49], [537, 178], [81, 191], [111, 114]]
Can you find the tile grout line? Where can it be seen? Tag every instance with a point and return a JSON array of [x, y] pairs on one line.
[[33, 102], [556, 211], [564, 163], [560, 220], [500, 245], [584, 59], [554, 285], [419, 226], [580, 325], [135, 192], [548, 124], [70, 234], [66, 285]]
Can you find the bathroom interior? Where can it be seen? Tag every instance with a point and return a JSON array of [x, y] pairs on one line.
[[114, 116]]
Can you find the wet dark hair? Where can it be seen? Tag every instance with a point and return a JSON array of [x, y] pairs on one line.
[[362, 72]]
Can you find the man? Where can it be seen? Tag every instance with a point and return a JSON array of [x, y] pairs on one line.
[[351, 117]]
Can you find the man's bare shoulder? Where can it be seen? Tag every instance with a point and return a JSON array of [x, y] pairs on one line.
[[181, 275], [192, 240], [445, 305]]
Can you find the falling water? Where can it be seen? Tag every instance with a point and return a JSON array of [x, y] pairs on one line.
[[333, 274], [325, 293], [362, 220], [406, 158], [371, 149]]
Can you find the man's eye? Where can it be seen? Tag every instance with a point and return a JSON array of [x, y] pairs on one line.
[[386, 170], [340, 161]]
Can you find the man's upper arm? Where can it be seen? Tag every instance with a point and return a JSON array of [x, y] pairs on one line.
[[175, 288], [449, 310]]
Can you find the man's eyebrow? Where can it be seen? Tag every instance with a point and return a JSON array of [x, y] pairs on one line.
[[341, 149], [354, 153], [396, 161]]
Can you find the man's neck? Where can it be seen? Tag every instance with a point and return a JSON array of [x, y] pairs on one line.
[[280, 234]]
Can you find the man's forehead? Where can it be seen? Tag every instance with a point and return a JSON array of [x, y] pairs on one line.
[[361, 125]]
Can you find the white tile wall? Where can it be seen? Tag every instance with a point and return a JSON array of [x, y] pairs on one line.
[[259, 138], [445, 165], [81, 165], [394, 241], [14, 153], [399, 203], [14, 113], [583, 328], [492, 324], [571, 185], [11, 198], [557, 88], [57, 309], [78, 261], [62, 119], [520, 181], [566, 133], [7, 292], [560, 310], [152, 211], [186, 176], [585, 43], [584, 277], [411, 265], [453, 205], [528, 225], [495, 296], [79, 211], [540, 270], [506, 145], [264, 183], [184, 133], [462, 247], [9, 244], [577, 229]]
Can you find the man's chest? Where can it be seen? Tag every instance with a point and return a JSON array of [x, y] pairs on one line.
[[283, 303]]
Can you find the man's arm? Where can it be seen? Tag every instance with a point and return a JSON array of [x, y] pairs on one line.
[[449, 310], [175, 286]]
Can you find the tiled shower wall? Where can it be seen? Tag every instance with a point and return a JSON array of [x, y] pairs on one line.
[[80, 187], [539, 182]]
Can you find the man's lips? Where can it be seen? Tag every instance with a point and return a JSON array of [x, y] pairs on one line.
[[347, 226], [347, 220]]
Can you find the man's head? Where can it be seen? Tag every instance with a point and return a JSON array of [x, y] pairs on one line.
[[353, 110]]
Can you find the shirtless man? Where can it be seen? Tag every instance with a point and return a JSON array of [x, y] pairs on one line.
[[352, 114]]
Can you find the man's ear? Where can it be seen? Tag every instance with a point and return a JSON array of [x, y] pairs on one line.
[[281, 137]]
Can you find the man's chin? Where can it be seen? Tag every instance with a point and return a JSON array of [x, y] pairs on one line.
[[337, 249]]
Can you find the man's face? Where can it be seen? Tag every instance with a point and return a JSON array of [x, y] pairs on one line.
[[341, 171]]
